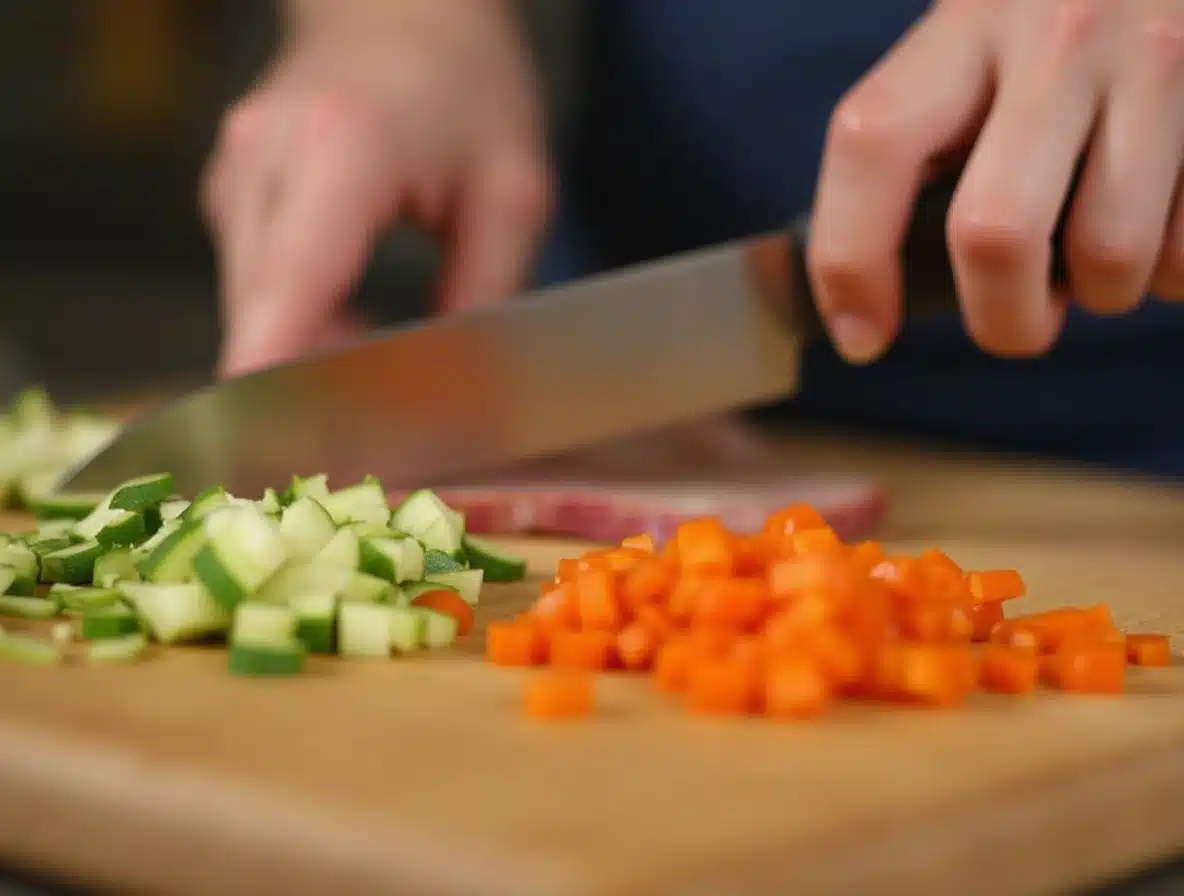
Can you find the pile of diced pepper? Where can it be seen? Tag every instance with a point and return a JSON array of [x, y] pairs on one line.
[[790, 620]]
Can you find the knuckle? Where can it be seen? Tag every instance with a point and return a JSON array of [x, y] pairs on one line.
[[329, 113], [1076, 25], [1107, 257], [991, 240], [241, 126], [863, 128], [1161, 35]]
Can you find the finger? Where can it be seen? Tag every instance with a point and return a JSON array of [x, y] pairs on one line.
[[238, 188], [336, 192], [501, 210], [917, 105], [1012, 190], [1118, 220], [1168, 281]]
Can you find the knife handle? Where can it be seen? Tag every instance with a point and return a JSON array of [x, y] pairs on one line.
[[929, 286]]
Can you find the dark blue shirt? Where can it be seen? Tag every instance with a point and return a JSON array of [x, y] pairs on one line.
[[703, 120]]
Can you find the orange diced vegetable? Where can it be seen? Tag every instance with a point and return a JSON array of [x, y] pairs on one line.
[[448, 602], [995, 585], [705, 548], [721, 686], [673, 664], [1149, 650], [643, 542], [636, 646], [514, 644], [557, 696], [790, 619], [984, 618], [587, 650], [599, 604], [1090, 668], [796, 688], [732, 602], [1009, 670]]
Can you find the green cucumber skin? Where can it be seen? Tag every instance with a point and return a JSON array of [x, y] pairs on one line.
[[207, 569], [497, 565], [251, 661], [317, 635]]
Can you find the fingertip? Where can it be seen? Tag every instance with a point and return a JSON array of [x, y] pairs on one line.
[[858, 302], [256, 337], [857, 339]]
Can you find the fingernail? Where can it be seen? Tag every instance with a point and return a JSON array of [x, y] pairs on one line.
[[857, 340]]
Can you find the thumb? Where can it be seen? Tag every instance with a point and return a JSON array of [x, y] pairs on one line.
[[316, 244]]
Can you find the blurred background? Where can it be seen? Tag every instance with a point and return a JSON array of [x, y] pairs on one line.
[[107, 110]]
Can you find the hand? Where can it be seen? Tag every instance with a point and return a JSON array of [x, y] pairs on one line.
[[373, 111], [1030, 87]]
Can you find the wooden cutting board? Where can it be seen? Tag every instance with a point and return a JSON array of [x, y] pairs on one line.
[[421, 776]]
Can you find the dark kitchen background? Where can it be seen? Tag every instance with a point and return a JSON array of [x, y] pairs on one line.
[[107, 109]]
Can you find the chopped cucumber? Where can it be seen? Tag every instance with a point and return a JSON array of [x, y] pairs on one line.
[[306, 527], [62, 633], [73, 597], [125, 649], [109, 622], [73, 565], [122, 528], [301, 579], [466, 582], [313, 487], [143, 491], [497, 564], [407, 629], [210, 499], [364, 631], [260, 623], [26, 565], [286, 658], [393, 559], [28, 650], [316, 616], [313, 570], [367, 589], [440, 629], [28, 607], [172, 509], [412, 590], [67, 505], [361, 503], [343, 550], [244, 550], [438, 561], [176, 613], [115, 566], [430, 520], [171, 559], [270, 502]]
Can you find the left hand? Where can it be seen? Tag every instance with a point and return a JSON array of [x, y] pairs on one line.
[[1029, 87]]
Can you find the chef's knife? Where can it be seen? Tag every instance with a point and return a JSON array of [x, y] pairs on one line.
[[657, 344]]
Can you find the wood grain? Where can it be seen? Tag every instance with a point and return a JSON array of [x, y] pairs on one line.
[[420, 776]]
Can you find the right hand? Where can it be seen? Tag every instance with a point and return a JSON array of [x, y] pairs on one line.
[[423, 109]]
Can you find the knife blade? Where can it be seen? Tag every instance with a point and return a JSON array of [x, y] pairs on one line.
[[657, 344]]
